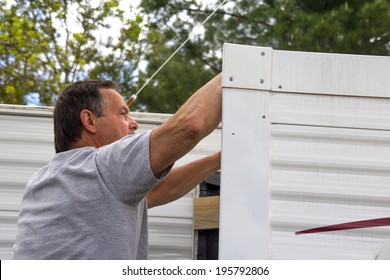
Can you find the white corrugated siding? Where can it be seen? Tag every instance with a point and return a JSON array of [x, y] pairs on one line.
[[329, 152], [334, 172], [26, 145]]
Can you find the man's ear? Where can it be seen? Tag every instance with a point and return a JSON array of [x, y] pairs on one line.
[[88, 121]]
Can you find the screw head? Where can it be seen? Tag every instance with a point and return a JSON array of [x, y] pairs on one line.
[[231, 78]]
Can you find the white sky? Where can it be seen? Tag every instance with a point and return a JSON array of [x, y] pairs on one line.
[[114, 22]]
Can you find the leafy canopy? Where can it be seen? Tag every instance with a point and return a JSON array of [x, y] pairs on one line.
[[41, 51]]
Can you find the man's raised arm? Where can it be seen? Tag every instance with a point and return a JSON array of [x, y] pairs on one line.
[[197, 118]]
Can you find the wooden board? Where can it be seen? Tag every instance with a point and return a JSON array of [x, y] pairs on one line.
[[206, 212]]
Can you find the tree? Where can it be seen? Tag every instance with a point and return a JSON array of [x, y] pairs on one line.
[[342, 26], [121, 64], [20, 46], [188, 70], [45, 45], [40, 52], [354, 26]]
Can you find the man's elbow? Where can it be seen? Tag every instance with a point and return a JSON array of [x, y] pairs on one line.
[[195, 129]]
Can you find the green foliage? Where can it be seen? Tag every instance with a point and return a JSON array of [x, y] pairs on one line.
[[121, 64], [170, 24], [45, 45], [180, 77], [41, 50], [332, 26], [354, 26]]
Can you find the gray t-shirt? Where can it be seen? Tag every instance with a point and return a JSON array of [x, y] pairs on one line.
[[89, 203]]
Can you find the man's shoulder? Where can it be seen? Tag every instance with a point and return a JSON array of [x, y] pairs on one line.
[[127, 141]]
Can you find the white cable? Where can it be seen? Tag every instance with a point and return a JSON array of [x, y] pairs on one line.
[[134, 96]]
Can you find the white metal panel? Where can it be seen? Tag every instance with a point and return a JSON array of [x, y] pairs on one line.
[[323, 176], [338, 74], [384, 252], [246, 67], [26, 145], [170, 238], [327, 110], [329, 154], [244, 204], [8, 229]]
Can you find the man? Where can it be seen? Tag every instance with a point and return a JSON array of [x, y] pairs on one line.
[[91, 200]]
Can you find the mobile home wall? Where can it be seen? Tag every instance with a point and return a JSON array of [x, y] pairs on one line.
[[26, 145], [305, 144]]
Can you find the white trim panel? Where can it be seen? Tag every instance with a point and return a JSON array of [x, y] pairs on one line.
[[338, 74], [328, 110], [246, 67], [244, 205]]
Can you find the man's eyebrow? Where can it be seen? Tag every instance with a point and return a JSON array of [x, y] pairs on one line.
[[126, 109]]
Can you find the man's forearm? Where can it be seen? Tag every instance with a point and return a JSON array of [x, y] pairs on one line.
[[183, 179], [198, 117], [206, 105]]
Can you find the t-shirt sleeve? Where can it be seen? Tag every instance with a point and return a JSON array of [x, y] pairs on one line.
[[124, 167]]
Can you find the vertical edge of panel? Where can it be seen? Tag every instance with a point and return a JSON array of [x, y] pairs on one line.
[[245, 168]]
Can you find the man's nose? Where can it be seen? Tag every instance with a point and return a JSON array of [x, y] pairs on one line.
[[133, 125]]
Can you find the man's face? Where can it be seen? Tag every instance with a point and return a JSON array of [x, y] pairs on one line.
[[116, 121]]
